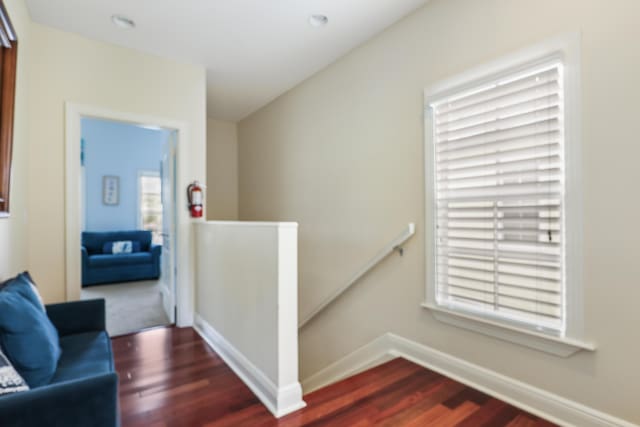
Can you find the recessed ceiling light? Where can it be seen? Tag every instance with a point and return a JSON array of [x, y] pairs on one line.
[[318, 20], [123, 22]]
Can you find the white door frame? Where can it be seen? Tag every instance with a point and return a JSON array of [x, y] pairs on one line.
[[184, 287]]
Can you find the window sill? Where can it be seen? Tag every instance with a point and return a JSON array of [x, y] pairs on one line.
[[559, 346]]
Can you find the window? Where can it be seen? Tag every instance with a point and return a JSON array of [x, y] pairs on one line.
[[8, 62], [497, 153], [151, 204]]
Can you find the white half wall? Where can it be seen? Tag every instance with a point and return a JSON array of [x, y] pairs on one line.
[[247, 305]]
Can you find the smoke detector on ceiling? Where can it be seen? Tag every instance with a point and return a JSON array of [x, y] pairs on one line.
[[318, 20], [122, 21]]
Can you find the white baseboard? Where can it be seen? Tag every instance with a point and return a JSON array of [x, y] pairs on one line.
[[372, 354], [279, 401], [547, 405]]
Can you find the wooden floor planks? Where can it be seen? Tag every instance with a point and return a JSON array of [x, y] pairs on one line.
[[169, 377]]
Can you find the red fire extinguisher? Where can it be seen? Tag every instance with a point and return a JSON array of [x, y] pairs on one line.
[[194, 196]]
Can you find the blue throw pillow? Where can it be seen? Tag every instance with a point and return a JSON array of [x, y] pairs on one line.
[[27, 336], [25, 287], [28, 281], [121, 247]]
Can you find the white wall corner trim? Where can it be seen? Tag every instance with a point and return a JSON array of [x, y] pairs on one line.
[[547, 405], [279, 401]]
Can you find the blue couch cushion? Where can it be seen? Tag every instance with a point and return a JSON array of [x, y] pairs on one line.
[[125, 259], [84, 355], [94, 241], [27, 336]]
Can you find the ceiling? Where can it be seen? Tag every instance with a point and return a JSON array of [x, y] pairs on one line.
[[253, 50]]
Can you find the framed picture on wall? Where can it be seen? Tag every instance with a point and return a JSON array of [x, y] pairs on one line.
[[110, 190]]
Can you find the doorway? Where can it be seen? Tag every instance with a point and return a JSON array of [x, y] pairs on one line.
[[181, 296], [128, 215]]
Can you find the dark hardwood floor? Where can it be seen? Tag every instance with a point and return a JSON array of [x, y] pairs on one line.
[[169, 377]]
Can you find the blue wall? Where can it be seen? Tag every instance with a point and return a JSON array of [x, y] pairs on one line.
[[113, 148]]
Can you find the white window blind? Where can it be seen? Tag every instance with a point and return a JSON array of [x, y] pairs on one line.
[[151, 205], [499, 198]]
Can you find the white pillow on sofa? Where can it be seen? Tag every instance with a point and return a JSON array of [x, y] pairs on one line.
[[10, 379], [121, 247]]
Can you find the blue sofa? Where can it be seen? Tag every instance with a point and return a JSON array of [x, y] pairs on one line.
[[84, 388], [99, 267]]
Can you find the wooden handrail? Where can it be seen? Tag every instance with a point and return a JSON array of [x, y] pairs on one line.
[[394, 245]]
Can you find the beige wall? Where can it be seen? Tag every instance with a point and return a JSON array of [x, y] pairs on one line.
[[66, 67], [222, 170], [13, 230], [343, 154]]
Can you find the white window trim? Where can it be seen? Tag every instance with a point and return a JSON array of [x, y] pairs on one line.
[[566, 47]]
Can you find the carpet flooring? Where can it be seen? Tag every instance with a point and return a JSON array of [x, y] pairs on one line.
[[131, 306]]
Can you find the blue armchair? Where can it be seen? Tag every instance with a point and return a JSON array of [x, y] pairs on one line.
[[84, 389], [99, 267]]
